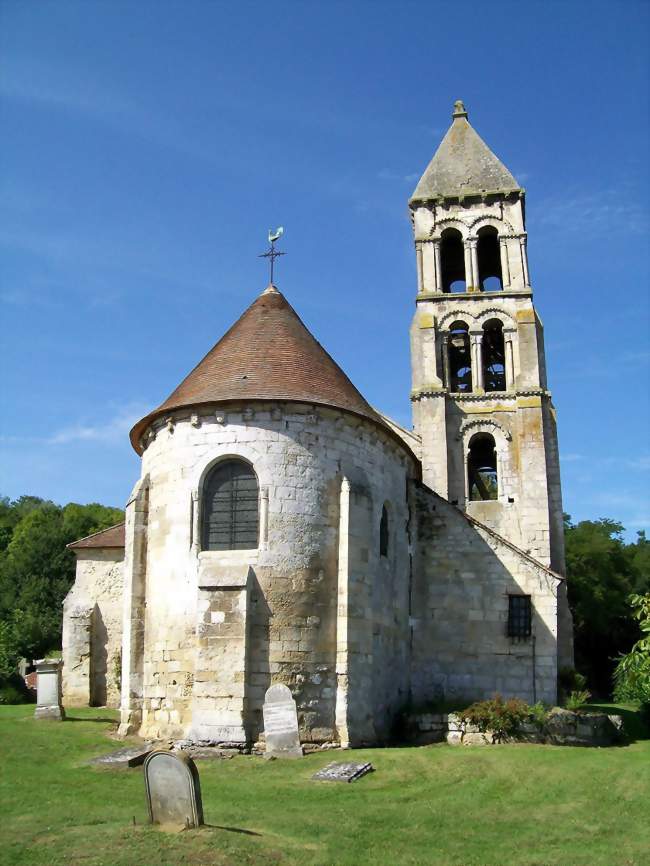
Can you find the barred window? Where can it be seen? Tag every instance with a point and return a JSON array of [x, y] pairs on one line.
[[230, 513], [519, 616]]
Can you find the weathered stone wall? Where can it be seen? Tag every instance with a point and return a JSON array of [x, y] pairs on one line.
[[462, 577], [221, 627], [92, 629]]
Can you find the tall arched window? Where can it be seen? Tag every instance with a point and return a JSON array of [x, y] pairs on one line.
[[489, 260], [494, 359], [452, 260], [230, 511], [482, 468], [383, 532], [460, 359]]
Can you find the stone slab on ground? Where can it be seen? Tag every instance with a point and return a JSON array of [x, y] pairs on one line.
[[130, 756], [343, 771]]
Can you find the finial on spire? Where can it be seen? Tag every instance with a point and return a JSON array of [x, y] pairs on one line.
[[459, 109], [272, 253]]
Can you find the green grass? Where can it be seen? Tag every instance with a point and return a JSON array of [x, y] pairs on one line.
[[458, 806]]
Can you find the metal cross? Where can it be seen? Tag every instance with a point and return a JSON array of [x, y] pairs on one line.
[[272, 253]]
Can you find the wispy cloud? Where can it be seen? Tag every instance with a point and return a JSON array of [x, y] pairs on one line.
[[112, 430], [610, 211], [389, 174]]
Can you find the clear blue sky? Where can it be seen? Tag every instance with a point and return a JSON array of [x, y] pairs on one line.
[[147, 147]]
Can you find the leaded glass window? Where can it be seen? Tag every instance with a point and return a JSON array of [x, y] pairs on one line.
[[230, 514], [519, 616]]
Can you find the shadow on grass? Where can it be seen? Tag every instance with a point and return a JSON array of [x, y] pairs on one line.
[[232, 829], [635, 726], [102, 719]]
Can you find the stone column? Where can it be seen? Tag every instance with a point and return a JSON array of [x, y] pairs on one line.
[[524, 260], [428, 267], [341, 712], [469, 284], [477, 360], [445, 360], [505, 266], [264, 515], [135, 572], [418, 262], [48, 689], [438, 263], [473, 244], [508, 335]]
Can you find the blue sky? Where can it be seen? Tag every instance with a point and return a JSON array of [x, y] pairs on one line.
[[147, 148]]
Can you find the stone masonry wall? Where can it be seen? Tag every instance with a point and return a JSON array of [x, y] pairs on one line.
[[462, 578], [221, 627], [92, 630]]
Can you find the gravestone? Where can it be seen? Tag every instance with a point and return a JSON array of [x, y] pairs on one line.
[[48, 689], [281, 723], [173, 789], [342, 772], [130, 756]]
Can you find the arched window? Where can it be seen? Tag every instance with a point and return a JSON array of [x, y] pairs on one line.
[[482, 468], [460, 359], [494, 359], [383, 532], [230, 512], [452, 260], [489, 260]]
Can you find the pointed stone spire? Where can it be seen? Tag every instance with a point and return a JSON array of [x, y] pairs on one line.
[[463, 165]]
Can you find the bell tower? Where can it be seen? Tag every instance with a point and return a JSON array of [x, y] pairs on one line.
[[480, 399]]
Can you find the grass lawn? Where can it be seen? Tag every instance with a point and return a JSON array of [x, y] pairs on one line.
[[451, 805]]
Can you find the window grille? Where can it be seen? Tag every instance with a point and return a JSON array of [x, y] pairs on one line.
[[230, 507], [519, 616]]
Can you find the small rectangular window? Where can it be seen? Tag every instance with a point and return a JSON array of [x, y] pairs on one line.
[[519, 616]]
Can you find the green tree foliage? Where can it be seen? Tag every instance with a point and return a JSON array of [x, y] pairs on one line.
[[602, 572], [36, 570], [632, 674]]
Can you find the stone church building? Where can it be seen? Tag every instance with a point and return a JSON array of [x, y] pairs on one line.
[[284, 530]]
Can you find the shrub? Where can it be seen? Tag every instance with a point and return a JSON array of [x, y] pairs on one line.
[[569, 680], [576, 699], [501, 717], [538, 714], [14, 691]]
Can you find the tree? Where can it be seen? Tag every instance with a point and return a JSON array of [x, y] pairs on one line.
[[36, 570], [602, 572], [632, 673]]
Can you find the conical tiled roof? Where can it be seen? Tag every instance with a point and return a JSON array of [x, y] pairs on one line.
[[463, 164], [268, 354]]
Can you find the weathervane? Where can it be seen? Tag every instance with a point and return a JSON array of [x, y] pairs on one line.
[[272, 253]]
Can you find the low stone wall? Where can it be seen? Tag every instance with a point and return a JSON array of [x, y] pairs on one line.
[[561, 728]]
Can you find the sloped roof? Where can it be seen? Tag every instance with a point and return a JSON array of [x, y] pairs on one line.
[[268, 354], [111, 537], [463, 164]]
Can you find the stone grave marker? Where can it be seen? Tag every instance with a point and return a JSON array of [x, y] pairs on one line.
[[347, 771], [48, 689], [281, 723], [130, 756], [173, 789]]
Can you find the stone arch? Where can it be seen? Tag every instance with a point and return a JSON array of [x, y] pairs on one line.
[[456, 315], [503, 226], [448, 223], [495, 313], [484, 425]]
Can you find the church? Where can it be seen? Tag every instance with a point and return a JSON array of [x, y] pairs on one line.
[[283, 530]]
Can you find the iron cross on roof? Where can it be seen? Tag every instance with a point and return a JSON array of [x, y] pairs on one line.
[[272, 253]]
